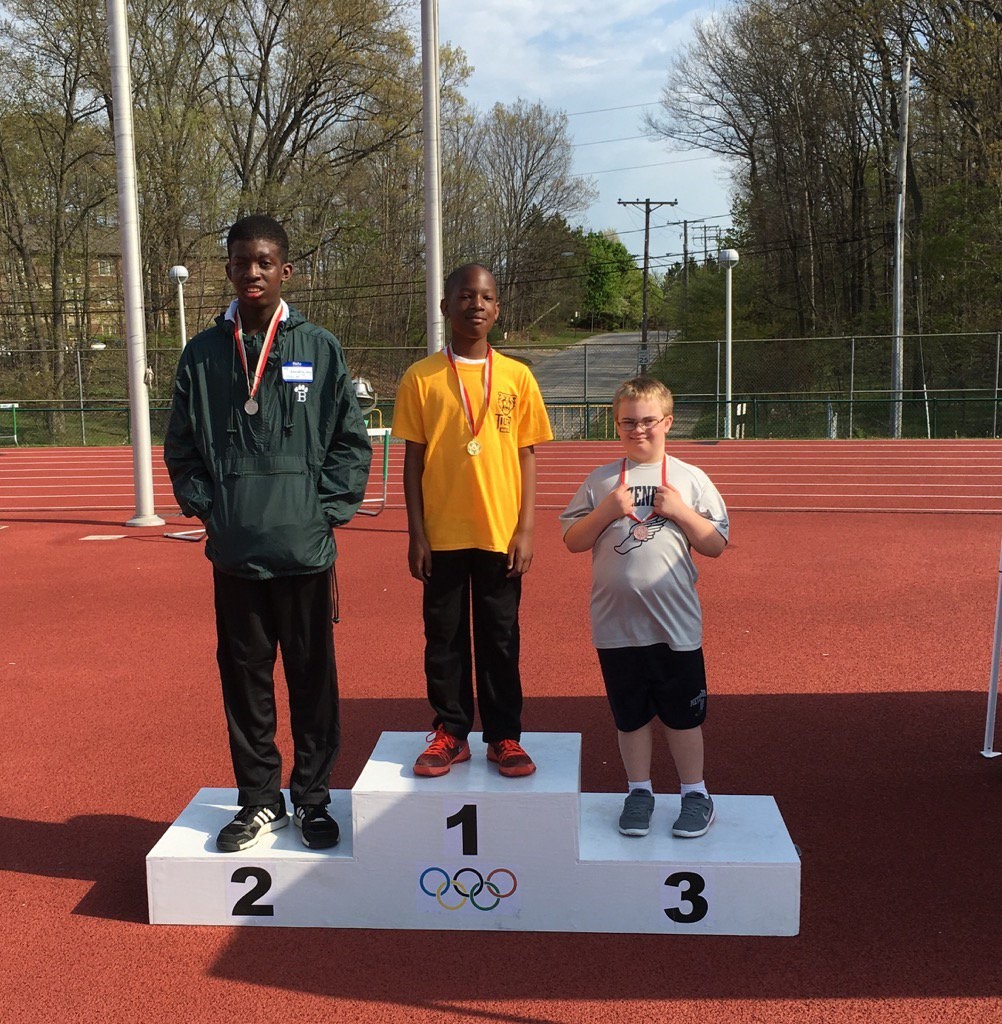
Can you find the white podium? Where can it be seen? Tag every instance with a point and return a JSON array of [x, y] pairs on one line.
[[474, 851]]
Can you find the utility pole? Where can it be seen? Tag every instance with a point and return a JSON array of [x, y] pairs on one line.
[[648, 206], [685, 264]]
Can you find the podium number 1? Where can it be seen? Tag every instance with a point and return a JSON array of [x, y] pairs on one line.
[[467, 818]]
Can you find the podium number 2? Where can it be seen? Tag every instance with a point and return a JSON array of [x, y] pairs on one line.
[[247, 905], [467, 818], [691, 886]]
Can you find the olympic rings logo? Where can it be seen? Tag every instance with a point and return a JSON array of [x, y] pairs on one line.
[[468, 884]]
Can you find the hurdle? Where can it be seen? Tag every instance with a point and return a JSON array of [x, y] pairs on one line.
[[12, 408], [380, 500]]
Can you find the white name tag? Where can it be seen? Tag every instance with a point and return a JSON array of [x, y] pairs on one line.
[[300, 373]]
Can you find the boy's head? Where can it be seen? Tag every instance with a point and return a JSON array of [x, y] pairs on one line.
[[258, 226], [638, 388], [470, 304], [257, 265], [643, 409]]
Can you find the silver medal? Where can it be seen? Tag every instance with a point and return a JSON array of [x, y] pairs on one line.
[[251, 406]]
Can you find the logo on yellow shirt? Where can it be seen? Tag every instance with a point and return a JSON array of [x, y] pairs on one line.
[[506, 408]]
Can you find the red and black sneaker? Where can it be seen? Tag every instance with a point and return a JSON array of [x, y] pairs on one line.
[[443, 752], [510, 758]]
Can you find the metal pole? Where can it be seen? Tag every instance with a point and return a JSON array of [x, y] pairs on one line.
[[995, 404], [897, 348], [716, 397], [993, 685], [643, 315], [180, 310], [430, 120], [852, 375], [728, 421], [83, 426], [587, 416], [128, 219], [180, 313], [179, 274]]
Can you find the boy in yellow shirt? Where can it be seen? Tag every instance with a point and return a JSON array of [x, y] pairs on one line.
[[471, 418]]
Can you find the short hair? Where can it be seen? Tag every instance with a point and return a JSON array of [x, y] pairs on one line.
[[452, 281], [638, 388], [259, 226]]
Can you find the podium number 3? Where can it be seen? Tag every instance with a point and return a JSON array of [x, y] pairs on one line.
[[247, 905], [467, 818], [691, 886]]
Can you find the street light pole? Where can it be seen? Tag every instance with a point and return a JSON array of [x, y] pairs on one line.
[[179, 275], [728, 259]]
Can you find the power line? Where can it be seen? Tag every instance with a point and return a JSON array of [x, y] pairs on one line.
[[603, 142], [606, 110], [641, 167]]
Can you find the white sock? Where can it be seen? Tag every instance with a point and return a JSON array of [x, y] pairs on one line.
[[694, 787], [640, 785]]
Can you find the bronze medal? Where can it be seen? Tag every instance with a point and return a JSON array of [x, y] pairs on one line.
[[642, 531]]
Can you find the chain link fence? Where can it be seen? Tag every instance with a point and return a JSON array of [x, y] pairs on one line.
[[781, 388]]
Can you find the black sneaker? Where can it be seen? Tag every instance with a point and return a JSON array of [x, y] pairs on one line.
[[320, 830], [250, 824]]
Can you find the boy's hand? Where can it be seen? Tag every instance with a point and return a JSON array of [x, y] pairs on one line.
[[519, 554], [619, 503], [668, 502], [419, 558]]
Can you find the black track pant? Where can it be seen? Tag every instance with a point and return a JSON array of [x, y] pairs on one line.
[[254, 619], [461, 582]]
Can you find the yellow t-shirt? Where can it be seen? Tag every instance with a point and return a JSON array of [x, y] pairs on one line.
[[470, 501]]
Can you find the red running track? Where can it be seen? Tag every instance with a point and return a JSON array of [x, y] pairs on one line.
[[848, 659], [850, 476]]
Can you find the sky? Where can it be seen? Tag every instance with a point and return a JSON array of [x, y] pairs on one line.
[[603, 63]]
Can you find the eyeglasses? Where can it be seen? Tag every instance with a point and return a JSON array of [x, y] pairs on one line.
[[646, 424]]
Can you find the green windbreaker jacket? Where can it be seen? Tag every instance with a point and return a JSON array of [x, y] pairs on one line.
[[269, 487]]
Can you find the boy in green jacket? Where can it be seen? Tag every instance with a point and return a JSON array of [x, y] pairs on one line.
[[267, 446]]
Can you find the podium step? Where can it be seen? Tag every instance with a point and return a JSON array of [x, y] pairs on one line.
[[741, 878], [474, 851]]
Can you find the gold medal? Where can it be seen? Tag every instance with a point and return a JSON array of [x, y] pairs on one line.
[[473, 448]]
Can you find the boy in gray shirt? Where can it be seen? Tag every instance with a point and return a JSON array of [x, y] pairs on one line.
[[641, 517]]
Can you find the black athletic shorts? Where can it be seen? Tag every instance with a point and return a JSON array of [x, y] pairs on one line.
[[642, 682]]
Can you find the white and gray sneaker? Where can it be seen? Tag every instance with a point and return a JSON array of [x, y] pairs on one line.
[[249, 824], [696, 816], [637, 810]]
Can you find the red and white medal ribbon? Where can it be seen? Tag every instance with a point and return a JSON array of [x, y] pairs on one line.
[[642, 531], [474, 446], [251, 406]]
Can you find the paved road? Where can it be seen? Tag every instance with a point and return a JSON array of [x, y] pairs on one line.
[[589, 373], [590, 370]]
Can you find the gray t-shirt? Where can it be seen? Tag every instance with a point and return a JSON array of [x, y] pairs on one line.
[[643, 577]]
